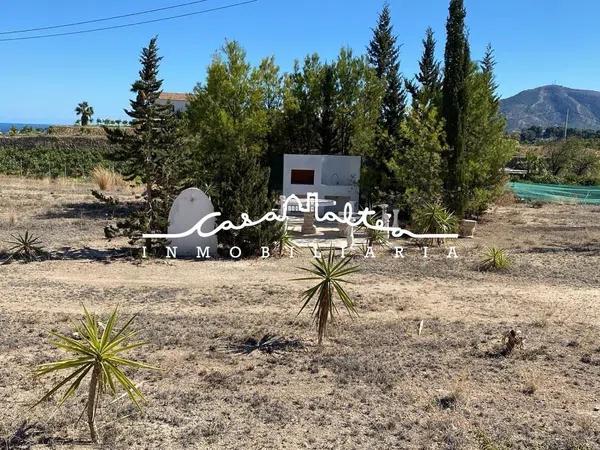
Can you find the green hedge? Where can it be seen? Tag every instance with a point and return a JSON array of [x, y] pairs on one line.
[[53, 155]]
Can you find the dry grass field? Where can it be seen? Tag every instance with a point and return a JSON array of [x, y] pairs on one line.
[[376, 383]]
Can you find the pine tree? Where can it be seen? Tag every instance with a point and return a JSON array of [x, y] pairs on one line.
[[384, 56], [331, 108], [428, 84], [149, 151], [230, 122], [488, 64], [488, 148], [302, 102], [359, 96], [419, 165], [454, 104]]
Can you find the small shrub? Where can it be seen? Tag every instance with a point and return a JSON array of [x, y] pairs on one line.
[[267, 344], [286, 242], [374, 236], [433, 218], [448, 401], [507, 198], [25, 247], [455, 397], [479, 202], [106, 179], [495, 259], [510, 340]]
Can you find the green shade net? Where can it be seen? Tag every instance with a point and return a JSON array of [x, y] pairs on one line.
[[559, 193]]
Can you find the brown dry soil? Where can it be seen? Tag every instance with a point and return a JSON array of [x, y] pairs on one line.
[[376, 383]]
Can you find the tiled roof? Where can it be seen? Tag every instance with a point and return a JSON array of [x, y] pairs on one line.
[[174, 96]]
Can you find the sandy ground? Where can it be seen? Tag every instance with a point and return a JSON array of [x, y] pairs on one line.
[[376, 383]]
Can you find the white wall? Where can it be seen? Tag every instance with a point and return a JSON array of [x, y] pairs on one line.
[[178, 105], [336, 177]]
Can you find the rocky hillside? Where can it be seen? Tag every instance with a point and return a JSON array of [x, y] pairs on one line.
[[547, 106]]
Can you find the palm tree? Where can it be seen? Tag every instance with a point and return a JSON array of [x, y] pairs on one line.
[[97, 349], [330, 276], [85, 111]]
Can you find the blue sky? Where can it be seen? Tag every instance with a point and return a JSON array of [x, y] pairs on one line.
[[537, 42]]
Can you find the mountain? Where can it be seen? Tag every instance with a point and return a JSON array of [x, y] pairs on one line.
[[547, 106]]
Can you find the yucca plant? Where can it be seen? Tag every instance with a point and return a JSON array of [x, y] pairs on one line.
[[331, 276], [97, 350], [433, 218], [286, 242], [375, 237], [25, 247], [495, 259]]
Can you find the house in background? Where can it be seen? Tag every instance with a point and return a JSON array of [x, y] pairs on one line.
[[333, 177], [178, 100]]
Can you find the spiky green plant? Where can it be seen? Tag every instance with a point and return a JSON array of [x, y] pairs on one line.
[[97, 350], [433, 218], [286, 242], [495, 259], [331, 276], [25, 247], [374, 236]]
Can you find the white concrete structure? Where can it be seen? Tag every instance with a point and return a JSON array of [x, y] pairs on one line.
[[332, 177], [189, 207], [179, 101]]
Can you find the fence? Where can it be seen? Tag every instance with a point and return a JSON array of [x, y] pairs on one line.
[[557, 193]]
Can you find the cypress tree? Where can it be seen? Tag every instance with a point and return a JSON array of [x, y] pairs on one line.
[[327, 129], [384, 56], [454, 103], [149, 152]]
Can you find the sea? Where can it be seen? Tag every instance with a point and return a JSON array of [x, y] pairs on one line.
[[5, 127]]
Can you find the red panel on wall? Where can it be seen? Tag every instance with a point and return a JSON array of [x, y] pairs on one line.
[[302, 176]]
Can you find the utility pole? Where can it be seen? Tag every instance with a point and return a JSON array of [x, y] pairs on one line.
[[566, 124]]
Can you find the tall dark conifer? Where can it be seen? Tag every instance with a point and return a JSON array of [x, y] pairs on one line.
[[150, 150], [384, 56], [454, 104], [327, 128]]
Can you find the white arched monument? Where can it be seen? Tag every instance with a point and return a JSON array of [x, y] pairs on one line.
[[189, 207]]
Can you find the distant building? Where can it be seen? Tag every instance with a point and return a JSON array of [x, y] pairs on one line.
[[178, 100]]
